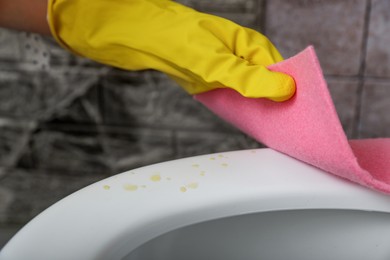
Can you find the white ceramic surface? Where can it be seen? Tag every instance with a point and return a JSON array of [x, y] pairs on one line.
[[113, 217]]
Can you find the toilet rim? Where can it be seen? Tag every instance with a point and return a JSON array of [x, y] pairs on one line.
[[112, 217]]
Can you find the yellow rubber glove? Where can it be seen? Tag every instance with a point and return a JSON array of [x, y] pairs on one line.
[[200, 51]]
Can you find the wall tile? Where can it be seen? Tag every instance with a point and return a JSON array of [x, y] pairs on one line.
[[344, 95], [6, 200], [375, 119], [60, 57], [129, 98], [103, 151], [84, 109], [28, 193], [335, 28], [378, 51], [35, 54], [37, 95], [25, 51], [133, 148], [152, 99], [14, 136], [198, 143], [3, 171], [178, 110], [72, 153], [9, 46]]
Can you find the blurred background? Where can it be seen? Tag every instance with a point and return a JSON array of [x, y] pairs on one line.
[[66, 122]]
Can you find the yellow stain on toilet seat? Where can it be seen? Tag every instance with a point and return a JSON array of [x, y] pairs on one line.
[[155, 178], [193, 185], [106, 187], [130, 187]]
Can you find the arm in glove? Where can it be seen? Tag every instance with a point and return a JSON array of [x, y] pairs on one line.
[[200, 51]]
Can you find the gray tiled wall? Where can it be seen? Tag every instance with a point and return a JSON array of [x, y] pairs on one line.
[[77, 122]]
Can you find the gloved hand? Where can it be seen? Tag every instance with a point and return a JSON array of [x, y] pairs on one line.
[[200, 51]]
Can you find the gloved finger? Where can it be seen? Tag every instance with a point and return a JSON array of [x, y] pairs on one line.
[[252, 81], [255, 81]]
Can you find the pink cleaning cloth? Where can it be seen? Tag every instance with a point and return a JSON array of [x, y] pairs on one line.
[[306, 127]]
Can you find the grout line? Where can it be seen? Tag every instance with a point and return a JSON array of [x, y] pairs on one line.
[[362, 68]]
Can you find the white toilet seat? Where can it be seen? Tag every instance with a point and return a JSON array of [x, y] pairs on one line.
[[111, 218]]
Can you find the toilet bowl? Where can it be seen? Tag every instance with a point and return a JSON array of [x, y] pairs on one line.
[[250, 204]]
